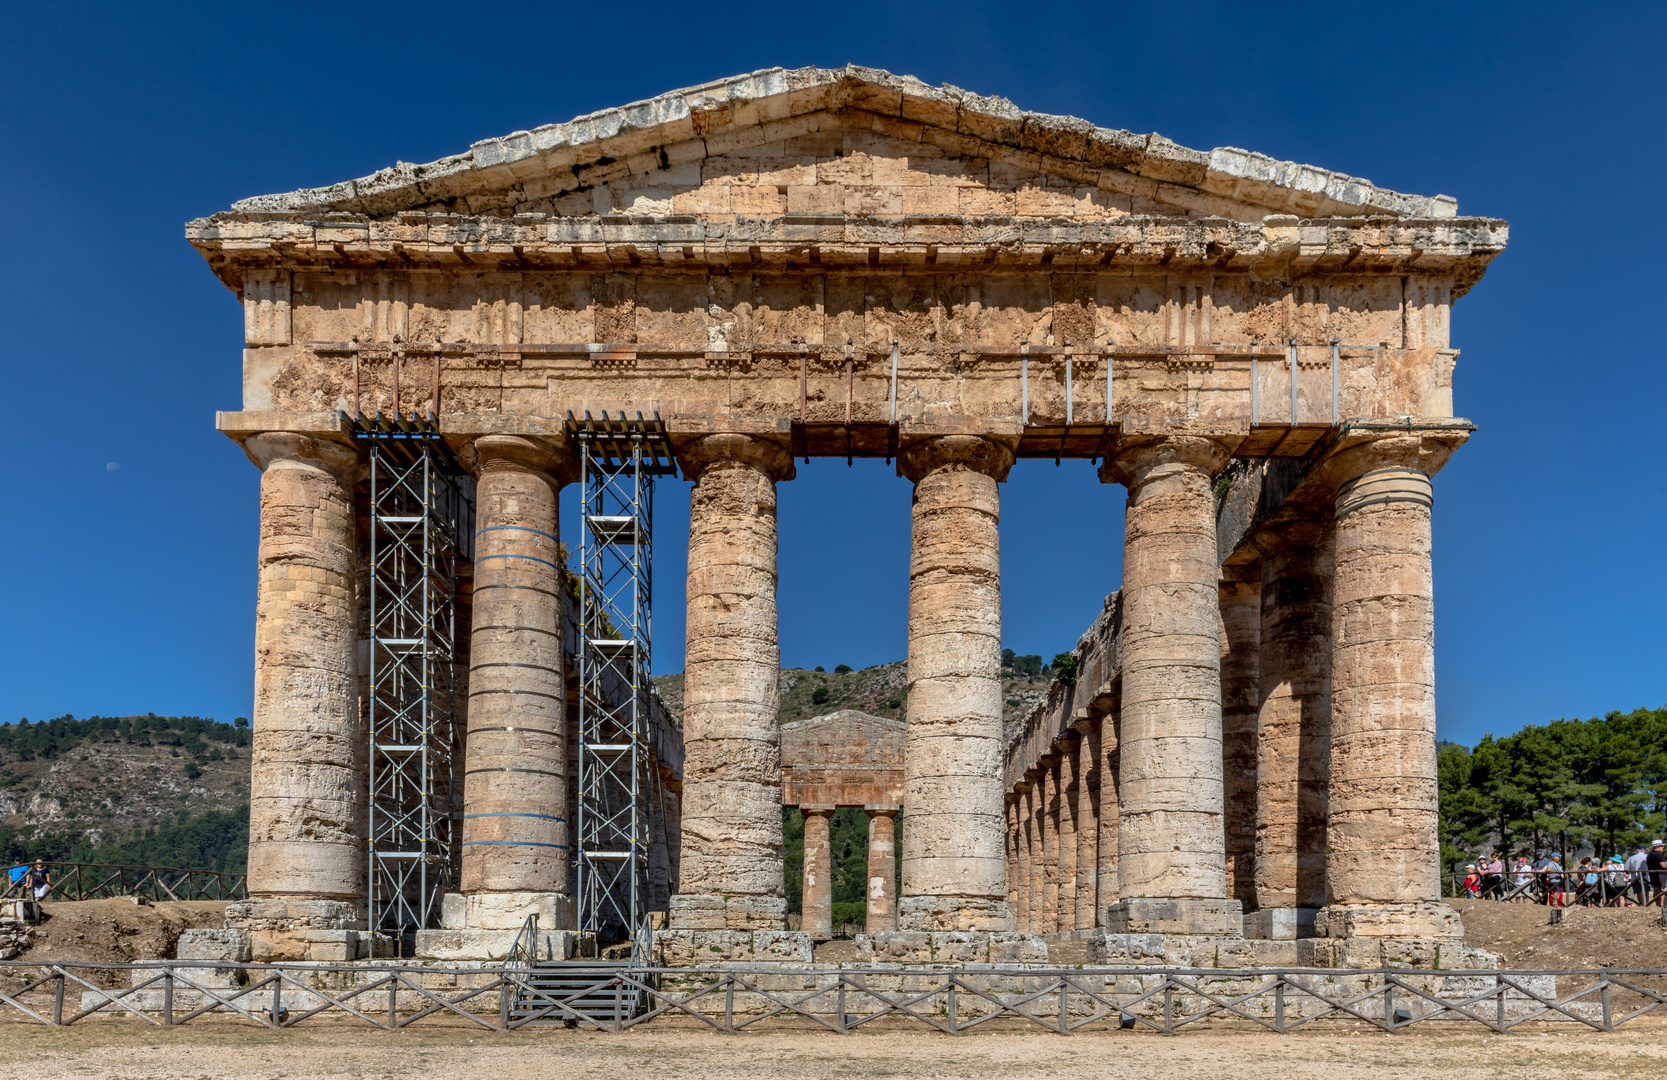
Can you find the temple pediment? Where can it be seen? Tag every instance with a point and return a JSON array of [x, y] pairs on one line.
[[853, 143]]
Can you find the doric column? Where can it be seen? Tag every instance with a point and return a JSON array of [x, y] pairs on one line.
[[953, 869], [1012, 822], [307, 801], [732, 840], [1384, 851], [659, 857], [1241, 695], [1069, 789], [1293, 735], [1088, 824], [1171, 843], [517, 840], [1047, 920], [1038, 804], [1106, 884], [818, 880], [882, 869], [1023, 814]]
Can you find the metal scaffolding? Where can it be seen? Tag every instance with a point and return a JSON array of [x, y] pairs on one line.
[[421, 515], [619, 459]]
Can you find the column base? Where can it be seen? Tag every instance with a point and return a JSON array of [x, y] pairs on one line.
[[1182, 915], [933, 913], [282, 929], [705, 911], [485, 925], [1281, 924]]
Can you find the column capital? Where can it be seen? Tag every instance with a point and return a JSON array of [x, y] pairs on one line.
[[770, 455], [551, 458], [819, 809], [343, 462], [1140, 458], [881, 809], [1399, 461], [972, 452]]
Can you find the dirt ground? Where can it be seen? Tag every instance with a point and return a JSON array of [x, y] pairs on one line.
[[1588, 937], [122, 1049], [117, 931]]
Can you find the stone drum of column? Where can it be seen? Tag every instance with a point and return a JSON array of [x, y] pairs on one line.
[[882, 869], [516, 836], [1383, 793], [731, 869], [818, 873], [954, 864], [1241, 696], [1170, 834], [1293, 737], [307, 801]]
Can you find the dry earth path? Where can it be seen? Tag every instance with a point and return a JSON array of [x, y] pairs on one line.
[[123, 1049]]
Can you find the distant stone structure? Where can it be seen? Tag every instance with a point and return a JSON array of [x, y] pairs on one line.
[[846, 263], [846, 759]]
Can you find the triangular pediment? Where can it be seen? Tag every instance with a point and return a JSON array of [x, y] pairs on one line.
[[852, 142]]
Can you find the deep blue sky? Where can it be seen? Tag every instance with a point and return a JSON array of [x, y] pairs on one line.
[[133, 589]]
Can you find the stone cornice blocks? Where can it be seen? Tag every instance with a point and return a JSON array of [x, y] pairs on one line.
[[762, 106]]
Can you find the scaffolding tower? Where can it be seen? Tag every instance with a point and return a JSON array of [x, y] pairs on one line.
[[421, 514], [619, 459]]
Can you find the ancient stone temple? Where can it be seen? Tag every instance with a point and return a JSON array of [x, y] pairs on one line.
[[813, 263]]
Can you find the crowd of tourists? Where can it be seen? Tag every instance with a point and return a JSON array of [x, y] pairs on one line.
[[1550, 879]]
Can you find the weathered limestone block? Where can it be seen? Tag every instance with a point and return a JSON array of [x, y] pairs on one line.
[[954, 869], [232, 946], [306, 787], [1241, 694], [1294, 729], [1170, 833], [283, 929], [951, 947], [690, 948], [1383, 800], [1180, 915], [731, 800], [516, 837], [881, 911]]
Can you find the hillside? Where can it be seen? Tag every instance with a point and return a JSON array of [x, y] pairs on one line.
[[881, 690], [143, 789]]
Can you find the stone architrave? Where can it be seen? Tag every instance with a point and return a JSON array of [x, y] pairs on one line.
[[731, 862], [818, 873], [954, 870], [1241, 695], [1293, 735], [1171, 844], [517, 841], [1384, 872], [882, 869], [307, 800]]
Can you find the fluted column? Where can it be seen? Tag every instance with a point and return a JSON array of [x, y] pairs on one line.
[[1293, 739], [1106, 885], [1088, 824], [954, 873], [731, 806], [307, 801], [1047, 920], [1012, 831], [1171, 843], [882, 869], [1384, 851], [517, 840], [1035, 924], [1069, 789], [1241, 694], [818, 873], [1021, 916]]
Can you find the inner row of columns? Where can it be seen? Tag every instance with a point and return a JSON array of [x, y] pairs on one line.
[[1344, 679]]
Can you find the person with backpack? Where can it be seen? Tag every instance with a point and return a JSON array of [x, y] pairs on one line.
[[1615, 883], [1555, 882], [1635, 875]]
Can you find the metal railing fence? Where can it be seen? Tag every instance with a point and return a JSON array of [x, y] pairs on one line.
[[98, 881], [951, 1001]]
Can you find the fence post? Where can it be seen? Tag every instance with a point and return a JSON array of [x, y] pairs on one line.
[[729, 1004], [1279, 1005], [1603, 993], [1389, 1004], [58, 999], [950, 1006], [168, 998], [1064, 1024], [393, 1001], [1168, 1007]]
